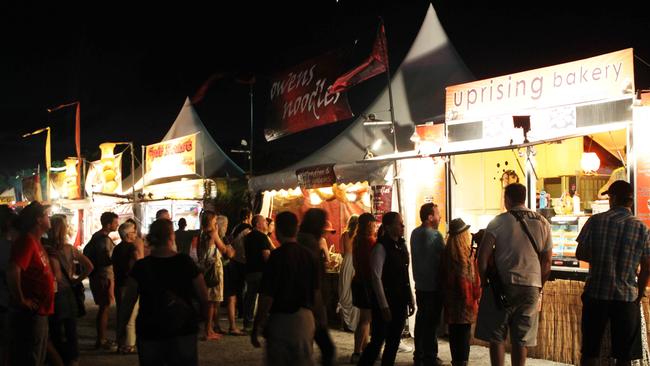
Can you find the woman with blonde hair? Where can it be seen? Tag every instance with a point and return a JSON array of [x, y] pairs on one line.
[[63, 323], [349, 313], [462, 289], [209, 252]]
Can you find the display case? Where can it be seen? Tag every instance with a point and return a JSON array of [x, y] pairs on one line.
[[565, 230]]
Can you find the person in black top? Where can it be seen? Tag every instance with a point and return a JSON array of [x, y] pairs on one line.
[[311, 232], [258, 249], [238, 262], [393, 302], [289, 292], [166, 281], [184, 237]]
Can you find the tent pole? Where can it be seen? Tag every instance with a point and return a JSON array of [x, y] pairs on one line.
[[250, 152], [135, 197], [396, 176]]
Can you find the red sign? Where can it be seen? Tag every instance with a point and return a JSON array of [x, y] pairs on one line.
[[299, 99], [382, 196], [316, 176]]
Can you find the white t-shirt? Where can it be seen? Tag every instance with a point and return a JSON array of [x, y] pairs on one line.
[[516, 261]]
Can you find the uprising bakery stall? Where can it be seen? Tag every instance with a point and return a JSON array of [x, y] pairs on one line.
[[566, 132]]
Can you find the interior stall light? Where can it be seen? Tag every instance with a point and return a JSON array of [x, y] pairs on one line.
[[589, 162], [365, 199], [351, 196], [376, 145], [326, 191], [314, 198]]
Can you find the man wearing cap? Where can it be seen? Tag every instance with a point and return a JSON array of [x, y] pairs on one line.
[[523, 266], [32, 287], [614, 243], [427, 245]]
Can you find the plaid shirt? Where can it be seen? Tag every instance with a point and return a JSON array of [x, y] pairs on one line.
[[613, 242]]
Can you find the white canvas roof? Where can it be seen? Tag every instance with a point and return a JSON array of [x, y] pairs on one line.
[[418, 96], [209, 156]]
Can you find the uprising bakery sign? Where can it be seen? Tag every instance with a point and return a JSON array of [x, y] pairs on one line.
[[603, 77]]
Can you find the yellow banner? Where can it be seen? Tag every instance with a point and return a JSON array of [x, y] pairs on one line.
[[609, 76], [171, 158]]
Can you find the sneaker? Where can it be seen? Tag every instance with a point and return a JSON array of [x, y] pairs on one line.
[[404, 348], [440, 362], [354, 359]]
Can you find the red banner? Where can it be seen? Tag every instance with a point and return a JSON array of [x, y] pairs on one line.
[[299, 99], [382, 197], [319, 176]]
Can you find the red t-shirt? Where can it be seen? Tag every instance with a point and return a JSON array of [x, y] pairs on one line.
[[37, 281]]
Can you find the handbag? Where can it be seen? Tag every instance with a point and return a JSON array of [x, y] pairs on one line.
[[78, 290], [210, 276], [80, 296]]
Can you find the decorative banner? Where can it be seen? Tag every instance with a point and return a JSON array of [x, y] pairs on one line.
[[318, 176], [32, 188], [299, 99], [171, 158], [382, 196], [104, 176], [605, 77]]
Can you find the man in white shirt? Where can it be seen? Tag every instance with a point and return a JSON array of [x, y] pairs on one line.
[[523, 267]]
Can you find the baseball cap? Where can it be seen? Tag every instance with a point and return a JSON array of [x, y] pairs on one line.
[[620, 188]]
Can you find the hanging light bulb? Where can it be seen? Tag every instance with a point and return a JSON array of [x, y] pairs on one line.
[[589, 162]]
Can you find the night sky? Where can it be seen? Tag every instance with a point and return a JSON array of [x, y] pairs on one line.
[[132, 68]]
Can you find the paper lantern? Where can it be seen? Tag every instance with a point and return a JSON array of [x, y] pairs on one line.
[[589, 162]]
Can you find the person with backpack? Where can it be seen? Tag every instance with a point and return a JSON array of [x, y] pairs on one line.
[[167, 282], [99, 250]]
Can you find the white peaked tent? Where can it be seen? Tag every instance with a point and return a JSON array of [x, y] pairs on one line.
[[418, 96], [211, 160], [209, 155]]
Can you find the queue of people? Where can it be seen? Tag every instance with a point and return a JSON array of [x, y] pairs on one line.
[[164, 287]]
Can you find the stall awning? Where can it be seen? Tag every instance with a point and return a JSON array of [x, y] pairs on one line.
[[479, 147], [373, 173]]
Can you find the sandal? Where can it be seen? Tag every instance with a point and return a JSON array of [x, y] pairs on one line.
[[127, 350], [212, 337], [236, 332], [106, 344]]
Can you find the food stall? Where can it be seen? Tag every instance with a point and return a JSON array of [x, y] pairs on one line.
[[565, 132]]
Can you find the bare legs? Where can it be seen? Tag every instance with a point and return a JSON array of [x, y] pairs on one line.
[[209, 323], [101, 323], [517, 357], [232, 311], [362, 332]]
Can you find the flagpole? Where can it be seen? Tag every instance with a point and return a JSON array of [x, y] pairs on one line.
[[250, 153], [391, 107]]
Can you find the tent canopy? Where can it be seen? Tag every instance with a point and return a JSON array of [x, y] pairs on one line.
[[418, 97], [211, 160]]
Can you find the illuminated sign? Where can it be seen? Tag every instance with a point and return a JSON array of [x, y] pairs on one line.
[[600, 78], [171, 158]]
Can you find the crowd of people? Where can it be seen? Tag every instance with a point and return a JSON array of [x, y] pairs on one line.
[[272, 274]]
